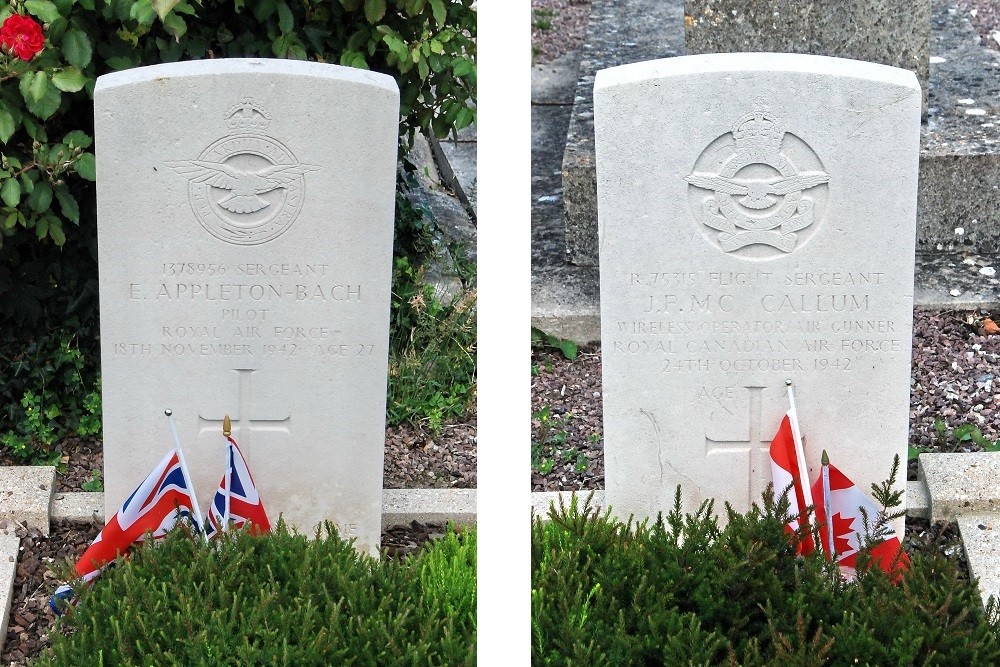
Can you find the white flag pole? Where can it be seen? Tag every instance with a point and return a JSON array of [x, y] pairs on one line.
[[227, 430], [827, 506], [800, 454], [184, 470]]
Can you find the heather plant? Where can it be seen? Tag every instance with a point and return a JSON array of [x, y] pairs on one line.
[[686, 590], [276, 599]]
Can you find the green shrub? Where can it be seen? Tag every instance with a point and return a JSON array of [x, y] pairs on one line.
[[50, 390], [279, 599], [685, 591], [47, 169], [432, 349]]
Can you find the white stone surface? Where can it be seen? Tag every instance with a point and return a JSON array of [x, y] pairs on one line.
[[9, 547], [245, 221], [25, 494], [966, 483], [706, 311], [981, 539]]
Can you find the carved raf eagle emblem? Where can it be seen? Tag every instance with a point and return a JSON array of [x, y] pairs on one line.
[[228, 184], [244, 186], [758, 191]]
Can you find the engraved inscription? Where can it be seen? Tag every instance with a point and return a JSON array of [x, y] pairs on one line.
[[749, 322], [758, 192], [246, 188]]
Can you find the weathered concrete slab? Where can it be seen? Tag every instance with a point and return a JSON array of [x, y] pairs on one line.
[[878, 31], [959, 197], [961, 483], [78, 507], [619, 32], [981, 539], [401, 506], [9, 545], [25, 494]]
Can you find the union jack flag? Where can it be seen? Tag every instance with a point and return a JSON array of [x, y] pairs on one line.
[[154, 507], [245, 506]]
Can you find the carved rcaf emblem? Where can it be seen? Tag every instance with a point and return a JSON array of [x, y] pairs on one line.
[[758, 191], [246, 188]]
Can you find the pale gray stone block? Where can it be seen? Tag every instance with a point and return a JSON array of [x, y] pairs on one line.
[[401, 506], [9, 547], [25, 494], [967, 483], [981, 539]]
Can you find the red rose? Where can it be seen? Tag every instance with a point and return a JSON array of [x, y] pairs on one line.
[[22, 35]]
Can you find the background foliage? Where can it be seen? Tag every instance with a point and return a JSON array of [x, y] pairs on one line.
[[48, 230], [683, 591], [276, 599]]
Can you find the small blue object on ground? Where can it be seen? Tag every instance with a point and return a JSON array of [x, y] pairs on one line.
[[61, 599]]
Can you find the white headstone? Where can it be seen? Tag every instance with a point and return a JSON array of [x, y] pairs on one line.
[[757, 222], [245, 222]]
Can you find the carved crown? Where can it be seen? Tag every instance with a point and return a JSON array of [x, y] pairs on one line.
[[758, 130], [247, 117]]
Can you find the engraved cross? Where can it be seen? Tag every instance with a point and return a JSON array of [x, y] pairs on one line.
[[245, 425], [758, 450]]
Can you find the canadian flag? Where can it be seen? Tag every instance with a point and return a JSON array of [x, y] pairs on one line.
[[786, 468], [846, 503]]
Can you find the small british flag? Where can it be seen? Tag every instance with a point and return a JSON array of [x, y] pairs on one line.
[[236, 503], [154, 506]]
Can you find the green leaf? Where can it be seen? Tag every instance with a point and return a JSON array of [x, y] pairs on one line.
[[86, 167], [40, 96], [69, 80], [374, 10], [11, 194], [437, 7], [264, 10], [163, 7], [462, 67], [7, 125], [10, 221], [175, 25], [41, 197], [76, 48], [569, 349], [77, 139], [56, 232], [142, 12], [67, 203], [43, 9], [41, 228], [286, 22]]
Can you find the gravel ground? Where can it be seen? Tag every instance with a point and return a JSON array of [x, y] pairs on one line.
[[985, 18], [557, 27], [415, 458], [955, 379]]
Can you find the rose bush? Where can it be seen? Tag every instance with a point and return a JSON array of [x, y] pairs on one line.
[[22, 36]]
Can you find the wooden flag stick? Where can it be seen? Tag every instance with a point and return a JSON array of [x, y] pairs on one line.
[[187, 476], [800, 454]]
